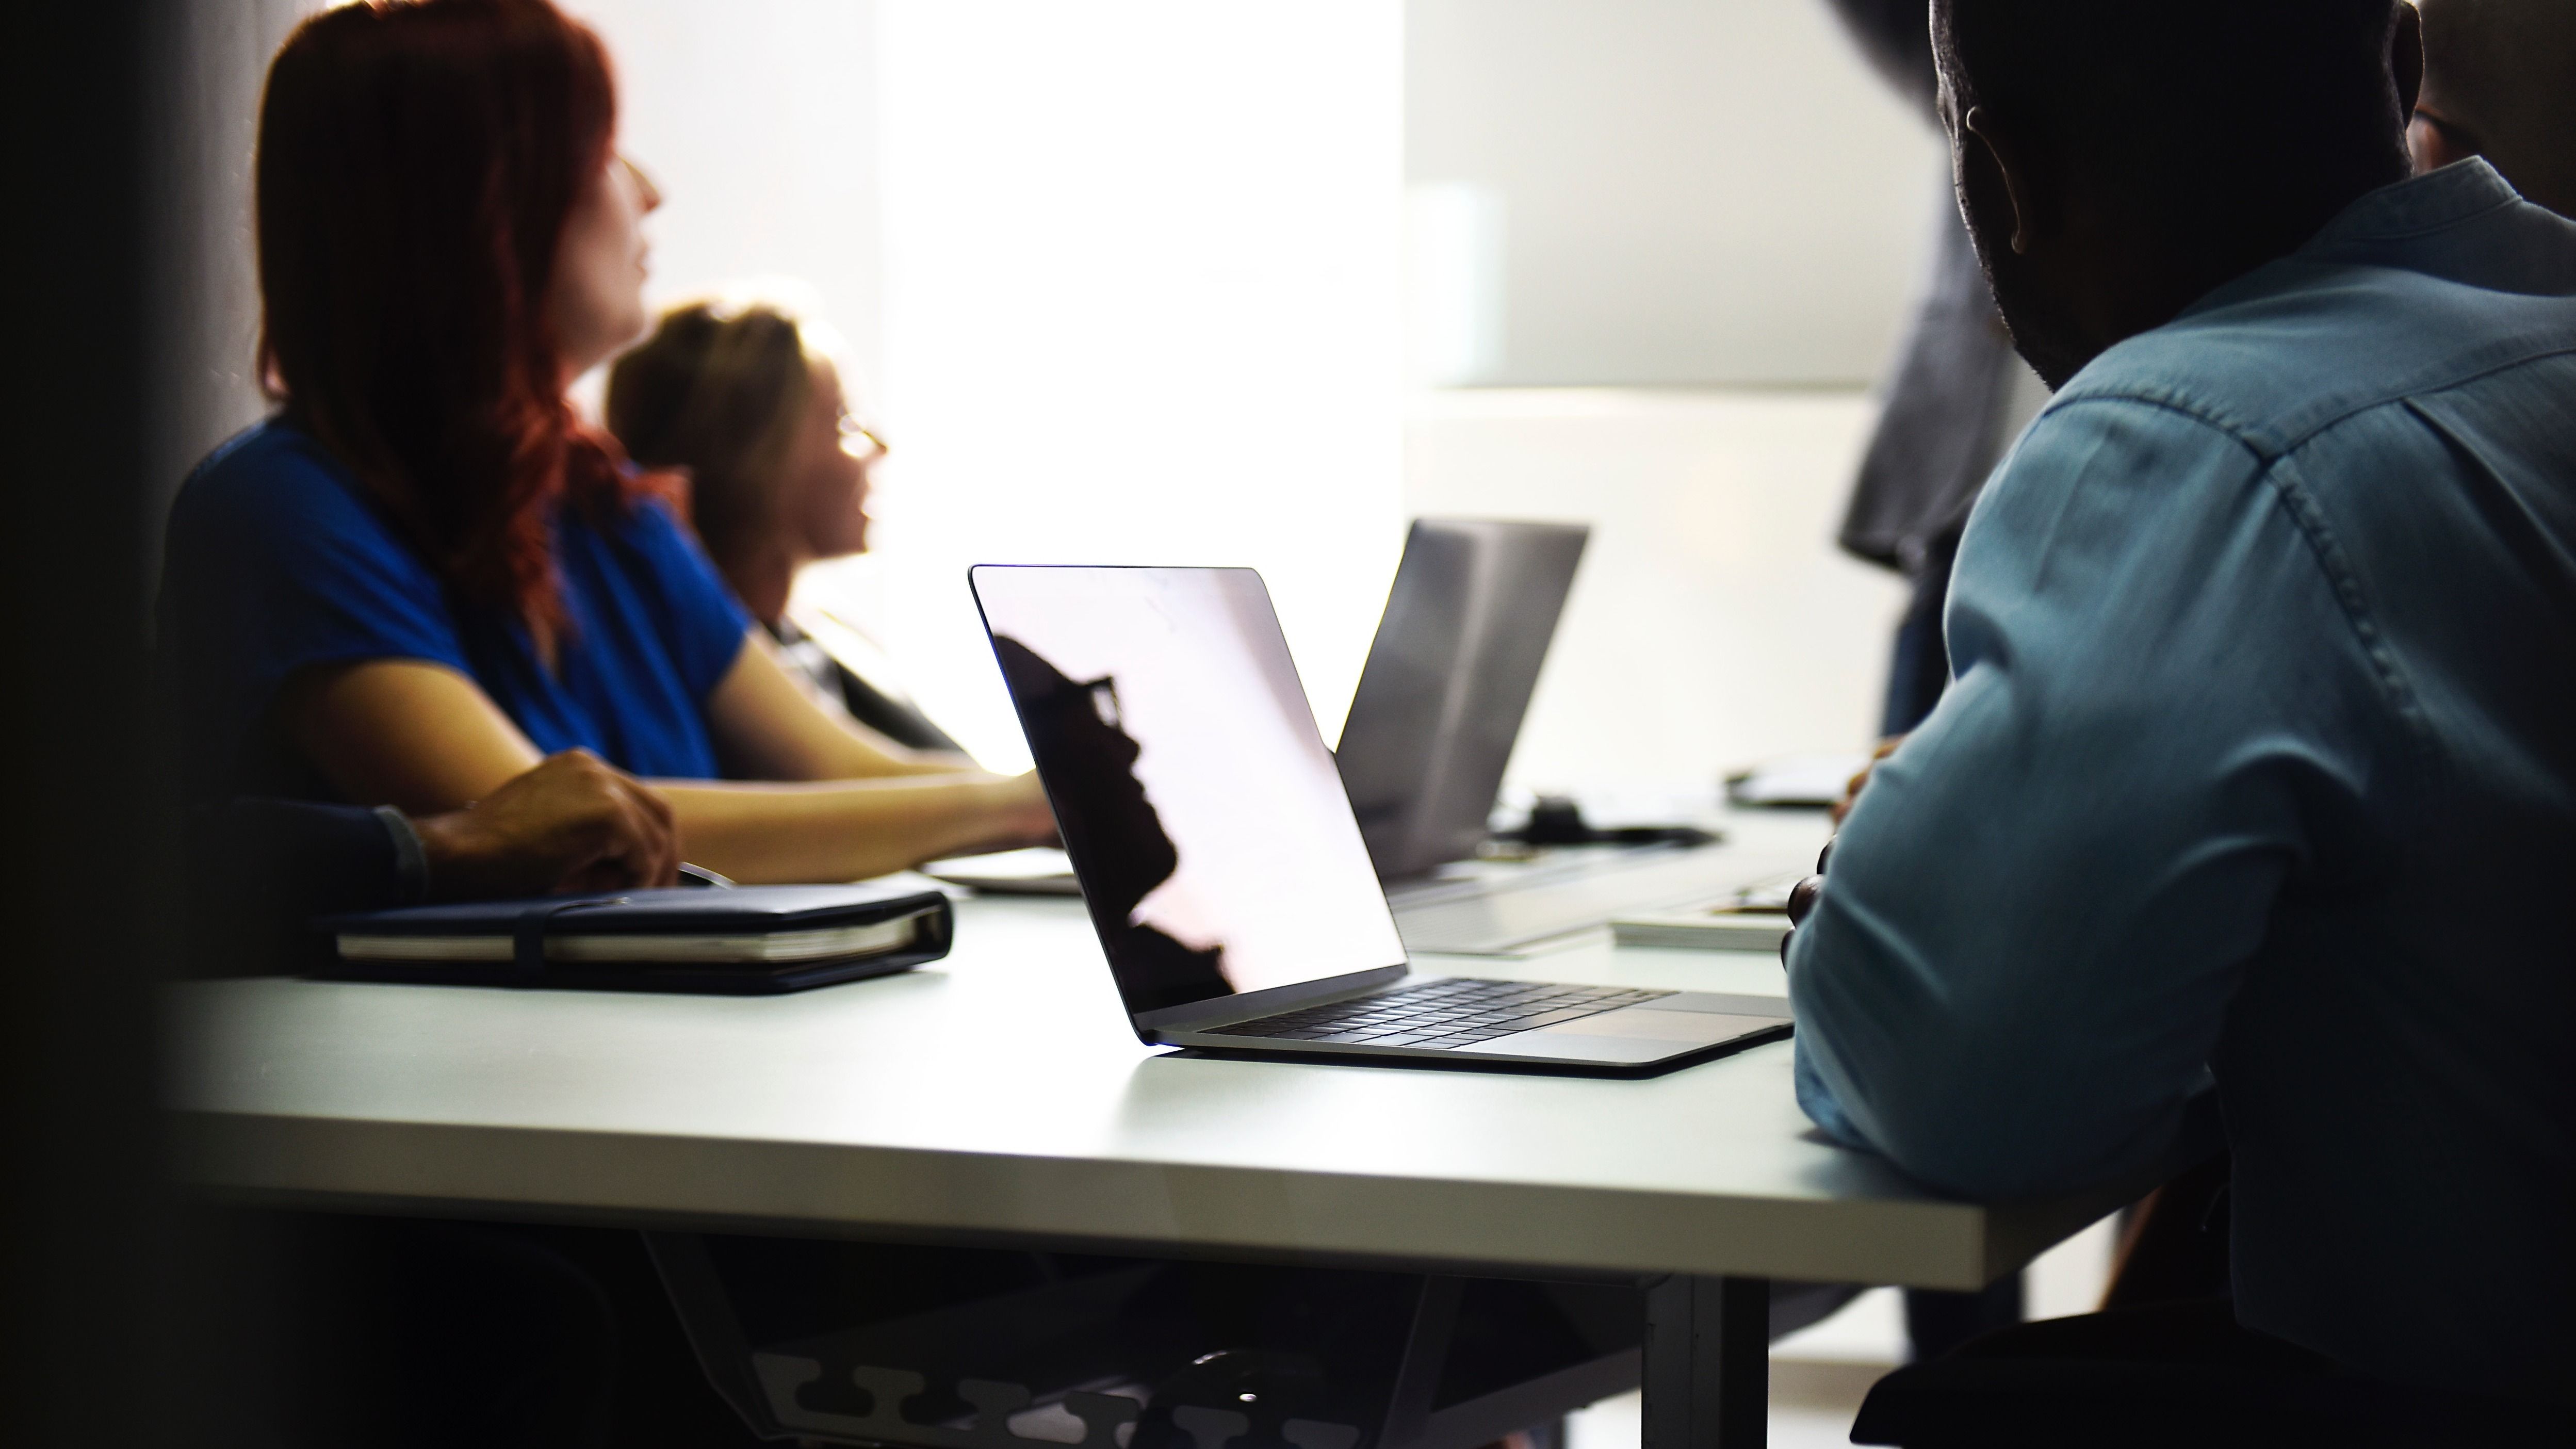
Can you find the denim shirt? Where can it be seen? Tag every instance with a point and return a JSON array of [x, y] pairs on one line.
[[2258, 764]]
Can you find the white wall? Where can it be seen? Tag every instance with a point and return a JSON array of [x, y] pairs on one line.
[[1686, 192], [758, 120], [209, 118], [1713, 624], [1142, 305]]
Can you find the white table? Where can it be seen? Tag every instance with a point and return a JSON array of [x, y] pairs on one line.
[[998, 1097]]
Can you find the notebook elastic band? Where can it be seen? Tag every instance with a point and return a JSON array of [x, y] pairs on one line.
[[528, 937]]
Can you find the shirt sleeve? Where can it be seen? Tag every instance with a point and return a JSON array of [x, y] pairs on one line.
[[276, 562], [703, 621], [260, 870], [2034, 918]]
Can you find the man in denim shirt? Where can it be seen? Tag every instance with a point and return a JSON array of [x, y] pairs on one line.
[[2259, 760]]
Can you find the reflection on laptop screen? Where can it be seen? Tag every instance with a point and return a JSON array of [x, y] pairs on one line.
[[1216, 849]]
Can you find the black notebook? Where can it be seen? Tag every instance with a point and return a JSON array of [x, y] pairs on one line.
[[744, 941]]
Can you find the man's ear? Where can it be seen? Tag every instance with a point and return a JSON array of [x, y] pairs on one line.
[[1988, 147], [2406, 56]]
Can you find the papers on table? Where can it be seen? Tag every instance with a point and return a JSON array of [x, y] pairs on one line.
[[1751, 919]]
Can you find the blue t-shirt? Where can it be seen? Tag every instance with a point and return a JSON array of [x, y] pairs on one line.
[[278, 560]]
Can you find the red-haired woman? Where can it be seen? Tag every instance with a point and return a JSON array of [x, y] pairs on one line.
[[424, 572]]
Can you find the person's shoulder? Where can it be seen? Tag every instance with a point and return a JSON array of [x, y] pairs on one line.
[[2108, 473], [271, 476], [647, 525], [653, 518], [273, 500], [2100, 429], [2276, 371], [2266, 370], [265, 457], [2098, 454], [2429, 285]]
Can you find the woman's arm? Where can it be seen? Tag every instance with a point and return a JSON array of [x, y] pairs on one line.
[[426, 739], [770, 724], [402, 732], [852, 829]]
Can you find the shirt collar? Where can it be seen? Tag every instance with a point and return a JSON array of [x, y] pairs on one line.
[[2408, 208], [2420, 204]]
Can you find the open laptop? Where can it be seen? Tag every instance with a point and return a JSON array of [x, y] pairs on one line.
[[1448, 682], [1221, 863], [1431, 727]]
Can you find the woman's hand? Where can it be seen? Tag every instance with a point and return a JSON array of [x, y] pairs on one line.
[[1025, 812]]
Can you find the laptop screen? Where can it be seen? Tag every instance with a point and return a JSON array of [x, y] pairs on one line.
[[1202, 812], [1448, 681]]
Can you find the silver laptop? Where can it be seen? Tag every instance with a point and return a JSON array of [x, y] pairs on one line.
[[1222, 866], [1439, 706], [1448, 681]]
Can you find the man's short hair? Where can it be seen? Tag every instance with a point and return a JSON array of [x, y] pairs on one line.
[[2238, 114]]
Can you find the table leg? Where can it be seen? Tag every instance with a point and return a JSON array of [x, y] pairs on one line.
[[1707, 1363]]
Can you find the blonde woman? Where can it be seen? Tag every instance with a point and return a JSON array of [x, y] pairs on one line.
[[778, 465]]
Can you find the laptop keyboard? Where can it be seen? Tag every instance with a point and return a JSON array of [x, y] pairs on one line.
[[1442, 1015]]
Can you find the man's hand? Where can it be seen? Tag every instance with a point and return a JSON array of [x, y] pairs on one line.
[[574, 823], [1802, 896]]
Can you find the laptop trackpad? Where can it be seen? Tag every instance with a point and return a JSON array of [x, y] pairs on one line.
[[1630, 1034]]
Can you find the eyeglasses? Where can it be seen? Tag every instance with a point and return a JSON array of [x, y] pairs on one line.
[[1104, 701], [853, 432]]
